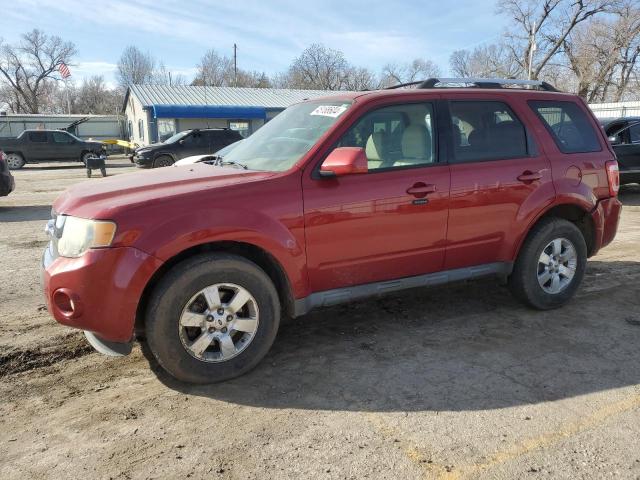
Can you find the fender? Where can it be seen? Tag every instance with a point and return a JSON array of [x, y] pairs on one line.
[[563, 199], [269, 218]]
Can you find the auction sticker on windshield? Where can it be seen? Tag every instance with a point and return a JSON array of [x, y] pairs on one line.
[[333, 111]]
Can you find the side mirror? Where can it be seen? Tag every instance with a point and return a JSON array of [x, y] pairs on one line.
[[344, 161], [614, 140], [181, 142]]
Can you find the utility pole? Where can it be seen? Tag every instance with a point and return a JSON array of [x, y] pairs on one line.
[[235, 65], [532, 48]]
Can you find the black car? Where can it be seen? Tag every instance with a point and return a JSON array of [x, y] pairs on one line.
[[7, 184], [48, 145], [184, 144], [624, 135]]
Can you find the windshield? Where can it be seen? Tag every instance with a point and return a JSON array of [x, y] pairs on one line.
[[177, 136], [223, 151], [280, 143]]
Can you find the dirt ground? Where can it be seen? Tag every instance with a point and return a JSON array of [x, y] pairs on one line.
[[447, 383]]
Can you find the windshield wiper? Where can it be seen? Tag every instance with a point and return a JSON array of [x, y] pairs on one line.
[[221, 163]]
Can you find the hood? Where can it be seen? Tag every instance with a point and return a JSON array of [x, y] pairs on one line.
[[151, 146], [103, 198]]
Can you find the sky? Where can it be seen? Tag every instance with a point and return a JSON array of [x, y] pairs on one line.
[[269, 33]]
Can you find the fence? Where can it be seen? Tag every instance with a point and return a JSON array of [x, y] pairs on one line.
[[615, 110]]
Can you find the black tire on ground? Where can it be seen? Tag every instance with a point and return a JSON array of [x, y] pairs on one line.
[[15, 161], [103, 171], [163, 161], [523, 281], [178, 286]]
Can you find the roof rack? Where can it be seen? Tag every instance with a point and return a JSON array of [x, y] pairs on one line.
[[477, 83]]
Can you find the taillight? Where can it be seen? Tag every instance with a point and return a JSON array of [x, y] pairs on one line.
[[613, 176]]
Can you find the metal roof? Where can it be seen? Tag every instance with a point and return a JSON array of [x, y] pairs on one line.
[[278, 98]]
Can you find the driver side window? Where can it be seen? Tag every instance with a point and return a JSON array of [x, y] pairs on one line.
[[395, 137]]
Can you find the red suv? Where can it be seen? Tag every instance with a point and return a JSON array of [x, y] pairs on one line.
[[334, 200]]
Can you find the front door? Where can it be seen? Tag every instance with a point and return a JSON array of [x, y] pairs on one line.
[[495, 171], [63, 147], [390, 222], [628, 149]]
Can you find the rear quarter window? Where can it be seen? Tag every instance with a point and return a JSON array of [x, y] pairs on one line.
[[568, 124]]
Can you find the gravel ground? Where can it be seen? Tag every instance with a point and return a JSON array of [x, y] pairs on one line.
[[455, 382]]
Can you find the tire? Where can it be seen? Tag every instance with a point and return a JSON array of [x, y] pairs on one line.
[[86, 155], [163, 161], [168, 339], [15, 161], [528, 281]]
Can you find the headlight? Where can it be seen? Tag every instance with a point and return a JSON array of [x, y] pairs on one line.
[[79, 235]]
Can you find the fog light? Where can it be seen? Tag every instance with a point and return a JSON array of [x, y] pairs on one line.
[[67, 303]]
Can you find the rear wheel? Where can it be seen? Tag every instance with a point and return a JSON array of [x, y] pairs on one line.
[[551, 264], [163, 161], [15, 161], [212, 317]]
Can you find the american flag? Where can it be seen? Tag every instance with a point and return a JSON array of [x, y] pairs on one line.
[[64, 70]]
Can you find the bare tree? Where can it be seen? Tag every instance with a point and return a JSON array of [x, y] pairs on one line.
[[489, 61], [418, 69], [163, 76], [550, 22], [135, 67], [359, 78], [27, 67], [318, 67], [95, 97], [603, 54], [214, 70]]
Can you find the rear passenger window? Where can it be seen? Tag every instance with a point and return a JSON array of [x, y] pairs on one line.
[[634, 133], [486, 131], [38, 137], [568, 124], [395, 137]]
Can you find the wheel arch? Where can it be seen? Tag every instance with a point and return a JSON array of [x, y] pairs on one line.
[[573, 213], [257, 255]]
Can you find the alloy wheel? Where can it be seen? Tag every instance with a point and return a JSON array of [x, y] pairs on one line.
[[557, 265], [219, 322]]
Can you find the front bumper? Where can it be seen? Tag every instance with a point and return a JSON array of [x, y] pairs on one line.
[[143, 162], [606, 217], [98, 292]]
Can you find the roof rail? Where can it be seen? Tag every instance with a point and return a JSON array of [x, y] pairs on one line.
[[478, 83]]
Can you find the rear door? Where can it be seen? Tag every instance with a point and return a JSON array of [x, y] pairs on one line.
[[499, 180]]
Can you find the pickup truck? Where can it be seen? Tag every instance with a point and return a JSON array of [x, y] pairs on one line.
[[33, 146]]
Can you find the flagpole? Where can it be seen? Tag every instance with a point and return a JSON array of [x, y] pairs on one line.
[[66, 87]]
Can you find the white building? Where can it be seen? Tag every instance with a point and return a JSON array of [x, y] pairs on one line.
[[155, 112]]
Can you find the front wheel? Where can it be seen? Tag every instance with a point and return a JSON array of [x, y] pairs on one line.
[[163, 161], [551, 264], [212, 317], [15, 161]]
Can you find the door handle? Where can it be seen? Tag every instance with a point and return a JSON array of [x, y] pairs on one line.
[[528, 176], [421, 189]]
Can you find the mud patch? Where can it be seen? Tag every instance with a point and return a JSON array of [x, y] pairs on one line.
[[67, 348]]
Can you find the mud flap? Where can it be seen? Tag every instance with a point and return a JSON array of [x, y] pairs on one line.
[[112, 349]]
